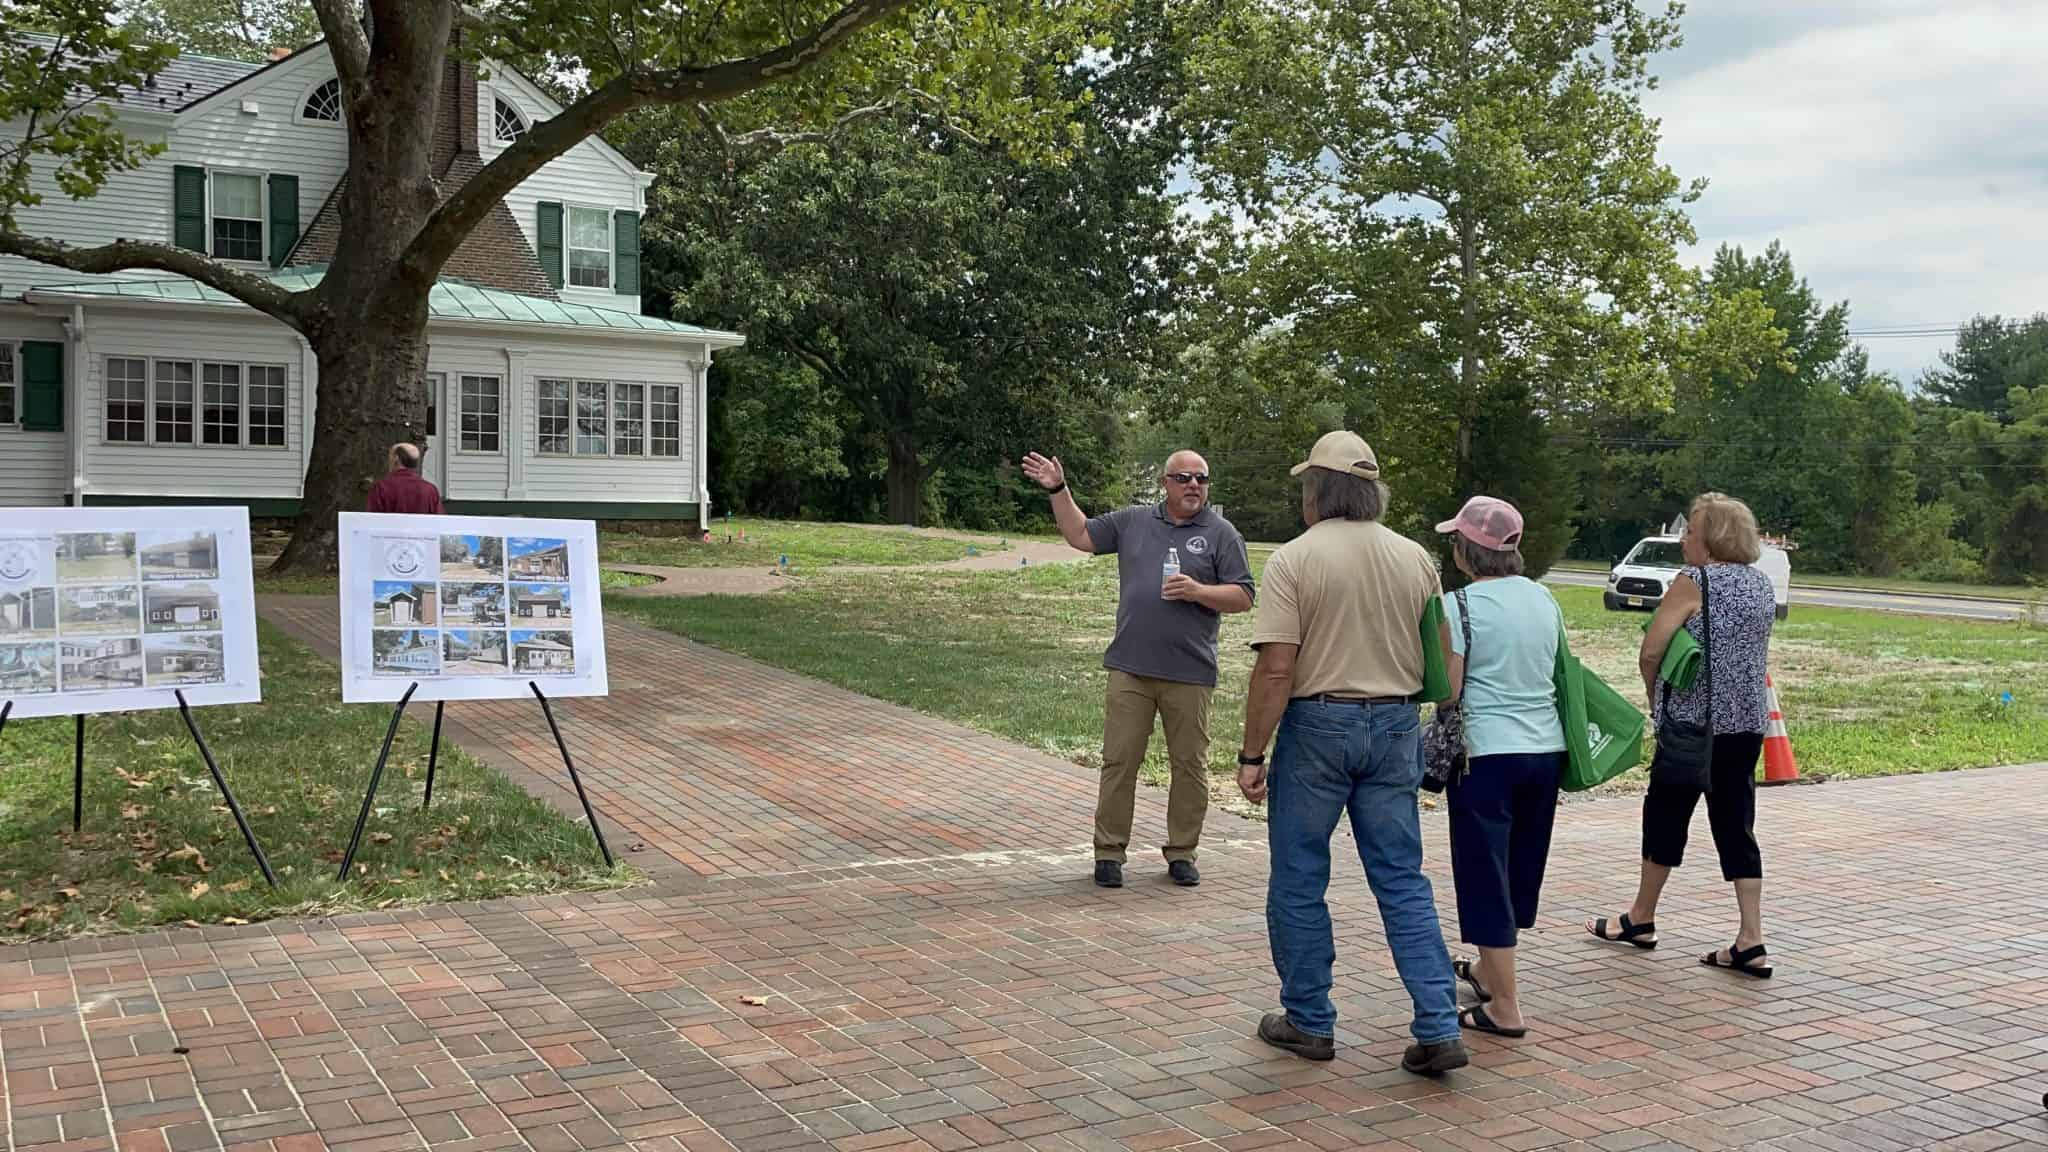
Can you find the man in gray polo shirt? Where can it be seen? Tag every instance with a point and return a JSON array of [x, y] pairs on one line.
[[1163, 659]]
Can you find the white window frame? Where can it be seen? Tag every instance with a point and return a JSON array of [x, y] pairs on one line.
[[340, 115], [263, 214], [284, 404], [235, 427], [244, 372], [569, 250], [646, 441], [525, 122], [497, 415], [10, 360]]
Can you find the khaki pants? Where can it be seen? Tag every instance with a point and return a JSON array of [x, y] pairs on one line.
[[1183, 710]]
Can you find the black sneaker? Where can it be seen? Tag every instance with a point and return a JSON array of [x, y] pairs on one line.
[[1435, 1059], [1109, 874], [1184, 873], [1276, 1029]]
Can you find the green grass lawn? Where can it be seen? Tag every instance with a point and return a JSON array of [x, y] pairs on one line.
[[807, 545], [1019, 654], [159, 846], [1861, 583]]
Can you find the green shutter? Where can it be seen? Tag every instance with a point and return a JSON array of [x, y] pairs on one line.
[[284, 218], [550, 233], [42, 379], [626, 253], [188, 207]]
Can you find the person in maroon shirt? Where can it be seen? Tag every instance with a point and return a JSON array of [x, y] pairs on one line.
[[403, 490]]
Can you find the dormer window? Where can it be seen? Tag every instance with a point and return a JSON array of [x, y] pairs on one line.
[[509, 124], [324, 103]]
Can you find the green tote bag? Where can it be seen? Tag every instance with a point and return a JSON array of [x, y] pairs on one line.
[[1603, 732]]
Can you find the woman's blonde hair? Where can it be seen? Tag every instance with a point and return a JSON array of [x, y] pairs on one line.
[[1726, 527]]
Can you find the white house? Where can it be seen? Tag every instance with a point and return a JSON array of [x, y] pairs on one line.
[[551, 393]]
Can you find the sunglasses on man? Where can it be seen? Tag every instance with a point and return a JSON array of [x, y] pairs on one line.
[[1201, 478]]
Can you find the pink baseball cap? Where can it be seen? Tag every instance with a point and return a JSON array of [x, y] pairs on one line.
[[1492, 524]]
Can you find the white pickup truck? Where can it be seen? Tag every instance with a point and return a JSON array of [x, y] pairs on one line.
[[1641, 577]]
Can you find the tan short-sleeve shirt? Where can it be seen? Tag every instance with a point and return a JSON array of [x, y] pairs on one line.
[[1350, 594]]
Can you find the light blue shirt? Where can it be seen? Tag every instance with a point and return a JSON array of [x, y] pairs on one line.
[[1510, 702]]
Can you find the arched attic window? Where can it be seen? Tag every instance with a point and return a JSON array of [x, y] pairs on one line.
[[323, 103], [508, 124]]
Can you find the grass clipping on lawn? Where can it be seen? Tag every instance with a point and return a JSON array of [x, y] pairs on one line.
[[160, 847], [1019, 654]]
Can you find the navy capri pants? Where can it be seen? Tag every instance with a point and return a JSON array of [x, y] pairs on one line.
[[1502, 812]]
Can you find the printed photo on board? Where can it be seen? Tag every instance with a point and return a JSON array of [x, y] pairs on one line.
[[180, 608], [94, 665], [543, 653], [28, 669], [473, 604], [85, 557], [179, 555], [538, 558], [472, 652], [27, 560], [398, 604], [472, 558], [28, 612], [536, 602], [176, 661], [100, 610], [408, 652]]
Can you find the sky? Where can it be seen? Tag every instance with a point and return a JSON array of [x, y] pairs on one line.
[[1898, 148]]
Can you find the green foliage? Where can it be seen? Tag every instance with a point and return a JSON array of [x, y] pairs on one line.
[[1992, 356], [233, 29], [61, 58]]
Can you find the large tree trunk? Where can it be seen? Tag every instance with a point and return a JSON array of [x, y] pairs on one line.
[[372, 395], [906, 477]]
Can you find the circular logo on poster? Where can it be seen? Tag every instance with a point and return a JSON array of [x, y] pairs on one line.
[[17, 561], [405, 558], [1198, 545]]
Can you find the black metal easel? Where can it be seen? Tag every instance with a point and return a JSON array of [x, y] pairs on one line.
[[205, 753], [355, 839]]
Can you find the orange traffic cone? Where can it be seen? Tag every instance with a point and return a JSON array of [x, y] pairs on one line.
[[1779, 766]]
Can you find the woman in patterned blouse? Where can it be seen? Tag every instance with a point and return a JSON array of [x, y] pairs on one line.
[[1721, 541]]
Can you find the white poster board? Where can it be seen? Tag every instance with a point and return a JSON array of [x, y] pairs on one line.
[[118, 609], [469, 607]]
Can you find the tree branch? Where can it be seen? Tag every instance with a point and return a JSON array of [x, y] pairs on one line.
[[462, 212], [126, 255], [775, 139], [346, 40]]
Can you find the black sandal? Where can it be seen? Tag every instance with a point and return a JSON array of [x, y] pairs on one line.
[[1475, 1019], [1627, 932], [1462, 968], [1743, 960]]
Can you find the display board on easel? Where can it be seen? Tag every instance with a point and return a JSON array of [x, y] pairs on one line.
[[123, 610], [468, 608]]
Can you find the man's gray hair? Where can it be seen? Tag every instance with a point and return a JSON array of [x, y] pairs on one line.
[[1485, 563], [1343, 496]]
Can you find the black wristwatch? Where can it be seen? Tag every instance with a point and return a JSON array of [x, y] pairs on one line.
[[1251, 761], [1058, 490]]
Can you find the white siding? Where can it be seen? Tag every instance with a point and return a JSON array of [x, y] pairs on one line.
[[192, 469], [598, 479], [34, 468], [219, 134], [469, 475], [590, 175]]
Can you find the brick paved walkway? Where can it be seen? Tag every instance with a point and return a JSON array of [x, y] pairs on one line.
[[910, 902]]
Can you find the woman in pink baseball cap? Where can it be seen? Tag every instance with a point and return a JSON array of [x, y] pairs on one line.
[[1501, 638]]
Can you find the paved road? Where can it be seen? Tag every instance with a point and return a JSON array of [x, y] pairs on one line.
[[1913, 603]]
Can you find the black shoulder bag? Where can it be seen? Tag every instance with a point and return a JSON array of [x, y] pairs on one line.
[[1685, 748], [1443, 743]]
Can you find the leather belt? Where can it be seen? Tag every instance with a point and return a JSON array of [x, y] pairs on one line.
[[1333, 698]]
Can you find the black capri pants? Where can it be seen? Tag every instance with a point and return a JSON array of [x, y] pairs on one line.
[[1731, 811], [1502, 812]]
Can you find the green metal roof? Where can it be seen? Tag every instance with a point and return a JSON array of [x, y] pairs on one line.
[[451, 299]]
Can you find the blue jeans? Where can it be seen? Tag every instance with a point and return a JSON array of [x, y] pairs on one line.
[[1365, 759]]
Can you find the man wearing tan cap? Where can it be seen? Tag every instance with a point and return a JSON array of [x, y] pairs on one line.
[[1340, 665]]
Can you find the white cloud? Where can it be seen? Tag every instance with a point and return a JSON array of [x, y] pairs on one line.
[[1899, 149]]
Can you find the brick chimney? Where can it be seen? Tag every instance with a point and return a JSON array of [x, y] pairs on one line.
[[455, 122]]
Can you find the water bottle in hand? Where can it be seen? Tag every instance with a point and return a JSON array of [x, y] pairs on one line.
[[1170, 569]]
